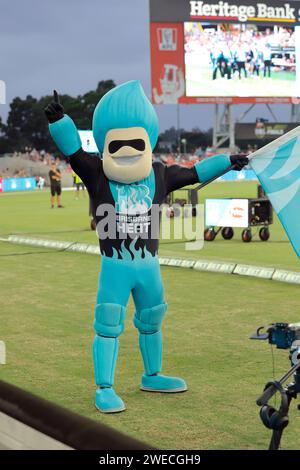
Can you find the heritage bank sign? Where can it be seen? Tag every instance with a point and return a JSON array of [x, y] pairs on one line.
[[270, 12], [225, 10]]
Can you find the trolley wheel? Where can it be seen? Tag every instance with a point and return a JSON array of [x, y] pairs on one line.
[[93, 224], [246, 235], [264, 234], [170, 212], [227, 233], [209, 234]]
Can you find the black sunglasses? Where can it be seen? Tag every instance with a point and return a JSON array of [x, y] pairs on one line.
[[137, 144]]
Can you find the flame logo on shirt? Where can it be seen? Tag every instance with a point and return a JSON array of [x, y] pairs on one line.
[[133, 199]]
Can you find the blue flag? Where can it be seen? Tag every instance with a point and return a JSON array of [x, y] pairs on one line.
[[277, 166]]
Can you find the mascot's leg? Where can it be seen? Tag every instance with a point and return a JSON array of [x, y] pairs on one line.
[[113, 294], [148, 296], [109, 324]]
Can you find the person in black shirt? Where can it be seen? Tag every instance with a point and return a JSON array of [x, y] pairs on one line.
[[55, 185], [125, 189]]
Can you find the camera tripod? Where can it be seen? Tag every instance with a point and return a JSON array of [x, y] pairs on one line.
[[274, 419]]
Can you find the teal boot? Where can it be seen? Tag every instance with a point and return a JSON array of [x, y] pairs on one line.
[[152, 381], [105, 353], [107, 401], [162, 383]]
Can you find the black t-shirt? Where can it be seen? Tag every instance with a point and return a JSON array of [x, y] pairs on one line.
[[53, 176], [131, 237]]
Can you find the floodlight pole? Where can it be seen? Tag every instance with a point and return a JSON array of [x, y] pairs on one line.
[[223, 130], [178, 128]]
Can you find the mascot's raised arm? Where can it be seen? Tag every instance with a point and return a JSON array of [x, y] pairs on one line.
[[125, 128]]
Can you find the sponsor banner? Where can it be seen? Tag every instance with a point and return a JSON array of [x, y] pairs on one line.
[[256, 271], [167, 59], [163, 261], [1, 186], [175, 262], [227, 212], [221, 267], [18, 184], [214, 266], [262, 130], [201, 265], [286, 276], [188, 263], [80, 247], [55, 244], [93, 250], [15, 239], [246, 11]]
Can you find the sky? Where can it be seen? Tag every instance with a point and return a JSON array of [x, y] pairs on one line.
[[70, 45]]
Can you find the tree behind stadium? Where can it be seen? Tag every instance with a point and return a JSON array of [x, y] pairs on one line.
[[27, 127]]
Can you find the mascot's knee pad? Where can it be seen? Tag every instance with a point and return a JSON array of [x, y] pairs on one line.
[[149, 320], [109, 320]]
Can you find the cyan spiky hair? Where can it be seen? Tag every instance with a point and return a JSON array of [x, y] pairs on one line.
[[124, 106]]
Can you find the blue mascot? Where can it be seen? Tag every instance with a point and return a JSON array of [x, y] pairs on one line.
[[124, 186]]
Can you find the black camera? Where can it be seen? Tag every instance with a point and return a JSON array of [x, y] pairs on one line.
[[283, 336]]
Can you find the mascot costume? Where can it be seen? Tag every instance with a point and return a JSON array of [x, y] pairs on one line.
[[125, 128]]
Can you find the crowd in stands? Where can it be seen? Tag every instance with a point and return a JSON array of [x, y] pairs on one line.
[[46, 158], [168, 158], [31, 155], [34, 155], [186, 159], [7, 173]]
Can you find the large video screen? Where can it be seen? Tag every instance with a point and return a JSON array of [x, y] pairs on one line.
[[241, 60]]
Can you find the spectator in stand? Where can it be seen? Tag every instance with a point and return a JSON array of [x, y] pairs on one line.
[[55, 185]]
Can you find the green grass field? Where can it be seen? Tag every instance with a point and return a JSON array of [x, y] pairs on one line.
[[199, 83], [47, 315]]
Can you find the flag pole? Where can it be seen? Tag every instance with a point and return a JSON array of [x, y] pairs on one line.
[[202, 185]]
